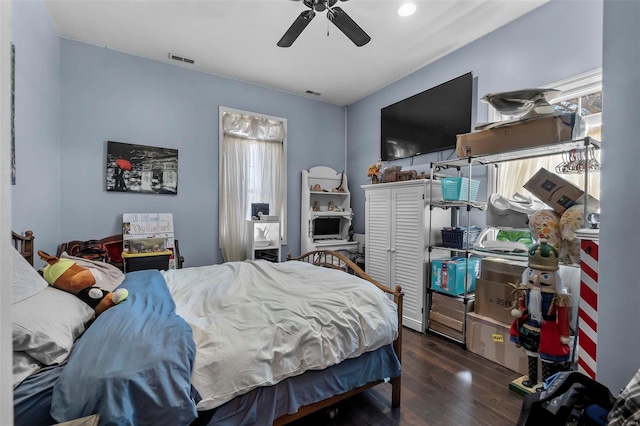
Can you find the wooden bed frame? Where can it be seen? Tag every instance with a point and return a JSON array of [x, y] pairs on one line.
[[24, 244], [322, 258], [334, 260], [113, 244]]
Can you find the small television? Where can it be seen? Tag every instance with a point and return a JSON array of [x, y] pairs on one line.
[[428, 121], [326, 228]]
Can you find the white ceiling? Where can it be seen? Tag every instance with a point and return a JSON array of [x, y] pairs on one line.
[[237, 38]]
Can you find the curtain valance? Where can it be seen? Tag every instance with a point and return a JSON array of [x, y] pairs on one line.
[[250, 127]]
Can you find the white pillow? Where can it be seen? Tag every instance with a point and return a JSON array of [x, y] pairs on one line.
[[46, 325], [25, 281], [23, 366]]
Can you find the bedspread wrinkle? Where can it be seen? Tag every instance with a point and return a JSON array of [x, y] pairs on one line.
[[256, 323]]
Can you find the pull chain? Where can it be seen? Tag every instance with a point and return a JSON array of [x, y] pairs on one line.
[[327, 22]]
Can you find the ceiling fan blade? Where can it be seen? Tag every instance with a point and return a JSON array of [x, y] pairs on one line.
[[296, 28], [348, 26]]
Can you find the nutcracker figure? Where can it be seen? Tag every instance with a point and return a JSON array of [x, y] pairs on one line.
[[541, 313]]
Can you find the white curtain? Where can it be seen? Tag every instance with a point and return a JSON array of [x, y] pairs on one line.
[[512, 175], [253, 170]]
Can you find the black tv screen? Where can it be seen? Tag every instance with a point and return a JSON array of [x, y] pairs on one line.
[[427, 122]]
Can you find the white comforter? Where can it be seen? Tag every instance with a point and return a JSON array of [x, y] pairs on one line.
[[256, 323]]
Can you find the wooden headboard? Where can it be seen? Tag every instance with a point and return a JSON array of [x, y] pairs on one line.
[[24, 244], [113, 244]]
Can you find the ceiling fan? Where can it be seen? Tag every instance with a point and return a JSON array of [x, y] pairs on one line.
[[334, 13]]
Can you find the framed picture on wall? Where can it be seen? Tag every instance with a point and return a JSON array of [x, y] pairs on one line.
[[140, 168]]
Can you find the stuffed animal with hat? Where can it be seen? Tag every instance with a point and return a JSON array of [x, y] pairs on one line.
[[67, 275]]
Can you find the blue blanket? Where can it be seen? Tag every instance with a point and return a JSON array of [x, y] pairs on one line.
[[133, 364]]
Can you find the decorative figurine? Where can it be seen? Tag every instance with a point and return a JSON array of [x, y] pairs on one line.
[[332, 206], [541, 312], [316, 188], [316, 206]]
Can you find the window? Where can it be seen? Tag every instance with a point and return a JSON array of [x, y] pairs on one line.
[[253, 169], [581, 94]]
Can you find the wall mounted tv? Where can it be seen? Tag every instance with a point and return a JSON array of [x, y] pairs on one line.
[[427, 122]]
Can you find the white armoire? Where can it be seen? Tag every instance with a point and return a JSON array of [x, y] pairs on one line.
[[396, 240]]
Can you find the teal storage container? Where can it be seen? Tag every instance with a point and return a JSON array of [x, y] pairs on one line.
[[447, 275]]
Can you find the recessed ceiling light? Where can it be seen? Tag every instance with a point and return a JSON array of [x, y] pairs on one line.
[[407, 9]]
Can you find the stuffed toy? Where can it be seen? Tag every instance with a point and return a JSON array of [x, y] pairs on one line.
[[545, 224], [66, 275]]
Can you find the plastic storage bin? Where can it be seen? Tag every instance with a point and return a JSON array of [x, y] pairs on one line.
[[447, 275], [457, 189], [459, 237]]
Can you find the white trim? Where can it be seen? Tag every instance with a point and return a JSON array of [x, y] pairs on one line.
[[571, 87], [221, 111], [578, 85], [6, 349]]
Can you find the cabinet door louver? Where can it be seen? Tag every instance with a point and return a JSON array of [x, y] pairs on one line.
[[377, 223], [408, 252]]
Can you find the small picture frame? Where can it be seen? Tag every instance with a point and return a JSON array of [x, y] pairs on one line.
[[259, 209]]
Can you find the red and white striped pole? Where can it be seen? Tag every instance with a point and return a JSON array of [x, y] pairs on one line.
[[588, 308]]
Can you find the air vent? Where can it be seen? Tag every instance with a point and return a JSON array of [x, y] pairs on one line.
[[181, 58], [311, 92]]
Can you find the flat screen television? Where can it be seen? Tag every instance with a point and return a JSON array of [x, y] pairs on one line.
[[428, 121]]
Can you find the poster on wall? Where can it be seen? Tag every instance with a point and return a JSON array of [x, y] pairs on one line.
[[148, 233], [140, 168]]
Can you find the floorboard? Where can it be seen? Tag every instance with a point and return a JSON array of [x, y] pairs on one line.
[[442, 385]]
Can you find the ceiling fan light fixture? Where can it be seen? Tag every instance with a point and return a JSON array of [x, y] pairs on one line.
[[335, 14], [407, 9]]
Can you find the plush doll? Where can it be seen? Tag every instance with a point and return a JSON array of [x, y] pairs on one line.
[[545, 224], [541, 312], [572, 220], [65, 274]]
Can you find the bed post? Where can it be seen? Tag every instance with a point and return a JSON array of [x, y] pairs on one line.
[[396, 384], [24, 244], [330, 259]]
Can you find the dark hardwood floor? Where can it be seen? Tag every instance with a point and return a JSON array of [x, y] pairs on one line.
[[442, 384]]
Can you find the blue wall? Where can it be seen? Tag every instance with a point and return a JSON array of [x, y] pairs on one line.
[[619, 266], [555, 41], [107, 95], [36, 196]]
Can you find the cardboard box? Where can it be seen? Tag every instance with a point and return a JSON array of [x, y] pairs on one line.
[[494, 295], [490, 339], [502, 270], [447, 275], [554, 191], [528, 134], [447, 331], [448, 310], [493, 300]]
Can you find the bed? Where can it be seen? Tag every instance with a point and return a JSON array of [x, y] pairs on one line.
[[171, 353]]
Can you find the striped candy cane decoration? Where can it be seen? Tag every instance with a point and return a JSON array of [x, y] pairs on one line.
[[588, 308]]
